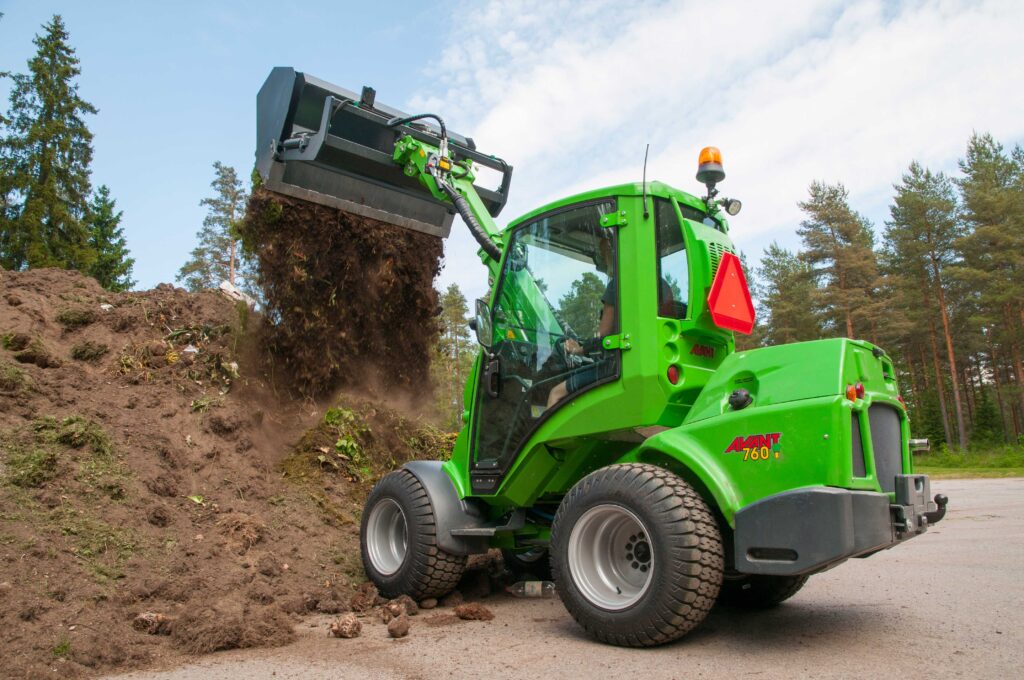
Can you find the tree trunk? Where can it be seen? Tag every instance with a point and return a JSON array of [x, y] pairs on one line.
[[231, 264], [944, 315], [939, 384], [1018, 367], [1007, 425]]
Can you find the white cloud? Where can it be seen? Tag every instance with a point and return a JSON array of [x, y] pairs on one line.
[[569, 93]]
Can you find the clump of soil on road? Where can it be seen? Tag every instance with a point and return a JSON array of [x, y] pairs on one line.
[[350, 301], [165, 477]]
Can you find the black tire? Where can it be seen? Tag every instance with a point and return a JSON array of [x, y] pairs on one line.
[[683, 547], [425, 570], [534, 564], [759, 591]]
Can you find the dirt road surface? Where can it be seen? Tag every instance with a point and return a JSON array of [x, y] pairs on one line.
[[948, 604]]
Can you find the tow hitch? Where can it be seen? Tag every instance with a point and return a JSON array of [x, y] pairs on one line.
[[913, 512]]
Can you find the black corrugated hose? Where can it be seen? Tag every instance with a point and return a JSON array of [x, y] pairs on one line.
[[462, 205]]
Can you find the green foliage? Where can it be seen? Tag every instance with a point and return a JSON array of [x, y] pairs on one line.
[[988, 426], [348, 428], [62, 649], [218, 256], [112, 267], [13, 379], [838, 248], [33, 452], [978, 457], [45, 156], [89, 351], [75, 317], [103, 548], [454, 358], [581, 306], [786, 291]]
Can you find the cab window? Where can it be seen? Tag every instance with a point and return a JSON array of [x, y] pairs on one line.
[[673, 269]]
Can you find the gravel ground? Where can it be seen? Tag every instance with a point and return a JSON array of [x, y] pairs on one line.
[[949, 603]]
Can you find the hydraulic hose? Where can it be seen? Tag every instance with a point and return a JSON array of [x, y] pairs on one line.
[[462, 205]]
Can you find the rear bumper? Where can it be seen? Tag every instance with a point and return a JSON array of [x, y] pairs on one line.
[[808, 530]]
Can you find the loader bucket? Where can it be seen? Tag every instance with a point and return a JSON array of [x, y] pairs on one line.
[[322, 143]]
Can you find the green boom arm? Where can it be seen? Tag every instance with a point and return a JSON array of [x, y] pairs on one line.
[[452, 182]]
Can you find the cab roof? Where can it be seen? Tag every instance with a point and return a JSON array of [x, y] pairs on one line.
[[658, 189]]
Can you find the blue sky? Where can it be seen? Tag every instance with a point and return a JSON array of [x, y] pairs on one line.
[[567, 91]]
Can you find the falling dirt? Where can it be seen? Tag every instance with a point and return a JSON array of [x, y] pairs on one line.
[[149, 468], [349, 300]]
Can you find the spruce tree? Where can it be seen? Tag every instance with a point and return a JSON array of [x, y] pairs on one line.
[[45, 155], [218, 256], [112, 266], [838, 246], [786, 293]]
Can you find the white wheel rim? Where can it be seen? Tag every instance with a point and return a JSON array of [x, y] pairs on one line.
[[610, 557], [387, 536]]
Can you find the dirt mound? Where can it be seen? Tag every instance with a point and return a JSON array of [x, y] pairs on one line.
[[146, 468], [349, 300]]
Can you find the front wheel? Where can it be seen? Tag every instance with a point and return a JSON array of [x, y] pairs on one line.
[[398, 541], [636, 555], [759, 591]]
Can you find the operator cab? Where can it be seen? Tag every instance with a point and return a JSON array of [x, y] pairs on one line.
[[595, 293]]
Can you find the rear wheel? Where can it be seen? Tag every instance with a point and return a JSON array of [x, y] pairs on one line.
[[759, 591], [636, 555], [398, 541]]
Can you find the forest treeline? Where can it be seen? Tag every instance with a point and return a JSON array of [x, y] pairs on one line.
[[940, 286]]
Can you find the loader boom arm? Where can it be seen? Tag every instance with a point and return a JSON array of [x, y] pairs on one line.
[[451, 180]]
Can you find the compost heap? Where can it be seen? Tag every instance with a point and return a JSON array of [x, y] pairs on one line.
[[158, 497], [349, 300]]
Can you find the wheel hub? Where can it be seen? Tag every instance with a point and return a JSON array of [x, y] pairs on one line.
[[387, 536], [610, 557]]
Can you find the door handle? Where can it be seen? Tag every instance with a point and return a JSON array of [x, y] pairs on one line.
[[492, 377]]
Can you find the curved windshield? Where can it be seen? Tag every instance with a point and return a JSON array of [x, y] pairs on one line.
[[557, 299]]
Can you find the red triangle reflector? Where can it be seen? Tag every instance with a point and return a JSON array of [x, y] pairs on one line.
[[729, 299]]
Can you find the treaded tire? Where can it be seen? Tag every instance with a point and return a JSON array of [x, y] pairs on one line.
[[759, 591], [426, 570], [537, 568], [687, 562]]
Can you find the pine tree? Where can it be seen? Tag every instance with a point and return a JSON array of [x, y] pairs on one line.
[[112, 266], [786, 291], [922, 232], [455, 354], [581, 306], [45, 155], [218, 256], [838, 246], [992, 196]]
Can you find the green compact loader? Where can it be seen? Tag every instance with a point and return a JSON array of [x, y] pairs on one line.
[[613, 436]]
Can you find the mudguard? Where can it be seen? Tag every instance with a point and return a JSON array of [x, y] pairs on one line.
[[450, 511]]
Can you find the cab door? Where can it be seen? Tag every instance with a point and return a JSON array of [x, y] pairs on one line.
[[553, 297]]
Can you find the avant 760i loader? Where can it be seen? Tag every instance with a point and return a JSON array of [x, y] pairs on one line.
[[612, 432]]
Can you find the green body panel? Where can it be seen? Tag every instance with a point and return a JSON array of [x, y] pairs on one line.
[[795, 434], [799, 393]]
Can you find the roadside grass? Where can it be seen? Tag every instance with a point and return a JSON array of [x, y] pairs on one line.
[[995, 461]]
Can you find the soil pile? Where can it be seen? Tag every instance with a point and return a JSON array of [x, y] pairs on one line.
[[349, 300], [156, 497]]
